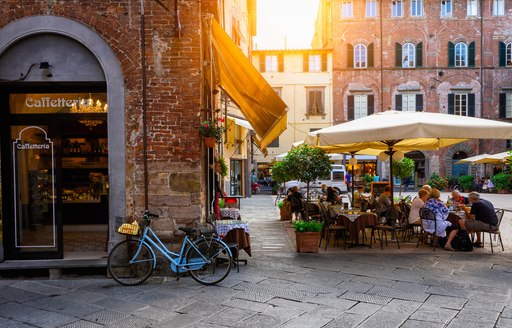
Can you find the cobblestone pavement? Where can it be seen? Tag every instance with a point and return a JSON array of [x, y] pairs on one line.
[[360, 287]]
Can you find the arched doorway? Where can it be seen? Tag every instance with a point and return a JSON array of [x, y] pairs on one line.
[[61, 62], [459, 169]]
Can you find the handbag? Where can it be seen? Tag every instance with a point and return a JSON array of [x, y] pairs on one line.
[[462, 242]]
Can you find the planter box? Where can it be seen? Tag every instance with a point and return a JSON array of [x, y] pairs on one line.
[[307, 242]]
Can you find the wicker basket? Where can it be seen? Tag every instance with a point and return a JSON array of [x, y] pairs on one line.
[[125, 227]]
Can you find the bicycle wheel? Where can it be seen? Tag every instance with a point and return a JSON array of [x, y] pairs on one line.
[[218, 258], [134, 273]]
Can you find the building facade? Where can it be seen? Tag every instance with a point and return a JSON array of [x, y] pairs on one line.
[[438, 56], [100, 108], [302, 78]]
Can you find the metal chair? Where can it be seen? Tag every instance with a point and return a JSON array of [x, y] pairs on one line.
[[393, 225], [495, 232], [331, 225], [428, 218]]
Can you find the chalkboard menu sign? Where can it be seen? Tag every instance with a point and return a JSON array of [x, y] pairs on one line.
[[377, 188]]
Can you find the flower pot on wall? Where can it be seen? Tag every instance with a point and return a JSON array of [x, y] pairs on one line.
[[209, 142], [307, 242]]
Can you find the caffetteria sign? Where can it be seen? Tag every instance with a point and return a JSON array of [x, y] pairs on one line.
[[55, 103]]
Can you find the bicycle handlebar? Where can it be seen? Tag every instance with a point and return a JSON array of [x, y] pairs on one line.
[[151, 215]]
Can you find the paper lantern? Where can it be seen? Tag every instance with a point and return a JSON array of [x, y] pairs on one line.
[[352, 161], [398, 156]]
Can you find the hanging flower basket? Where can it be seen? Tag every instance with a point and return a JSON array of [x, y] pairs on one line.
[[209, 142]]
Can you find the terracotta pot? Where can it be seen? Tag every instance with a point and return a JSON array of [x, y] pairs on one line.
[[307, 242], [209, 142]]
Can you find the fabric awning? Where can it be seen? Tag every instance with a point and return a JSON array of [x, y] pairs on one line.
[[258, 102]]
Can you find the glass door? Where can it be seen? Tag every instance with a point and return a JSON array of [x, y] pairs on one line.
[[34, 191]]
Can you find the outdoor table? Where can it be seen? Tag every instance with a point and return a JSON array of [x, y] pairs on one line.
[[455, 216], [230, 213], [235, 231], [356, 222]]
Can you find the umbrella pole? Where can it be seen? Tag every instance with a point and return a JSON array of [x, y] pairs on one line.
[[391, 152]]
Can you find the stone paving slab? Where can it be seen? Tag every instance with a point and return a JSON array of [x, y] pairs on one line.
[[366, 298]]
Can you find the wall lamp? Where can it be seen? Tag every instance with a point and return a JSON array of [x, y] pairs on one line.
[[42, 65]]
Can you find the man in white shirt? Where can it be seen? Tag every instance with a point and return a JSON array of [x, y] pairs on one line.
[[417, 204]]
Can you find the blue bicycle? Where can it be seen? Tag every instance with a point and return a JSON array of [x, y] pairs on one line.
[[206, 257]]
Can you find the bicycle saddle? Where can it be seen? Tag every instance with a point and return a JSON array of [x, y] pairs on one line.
[[187, 230]]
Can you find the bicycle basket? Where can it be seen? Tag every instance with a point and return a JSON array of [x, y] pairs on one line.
[[126, 228]]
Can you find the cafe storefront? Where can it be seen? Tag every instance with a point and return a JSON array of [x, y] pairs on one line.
[[55, 143]]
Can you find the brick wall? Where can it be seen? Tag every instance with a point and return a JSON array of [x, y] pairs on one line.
[[174, 80]]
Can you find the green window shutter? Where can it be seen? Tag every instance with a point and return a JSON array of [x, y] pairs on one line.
[[503, 105], [471, 54], [398, 54], [503, 55], [324, 62], [398, 102], [305, 63], [451, 103], [371, 104], [419, 103], [419, 54], [451, 54], [350, 56], [370, 55], [471, 104], [350, 108]]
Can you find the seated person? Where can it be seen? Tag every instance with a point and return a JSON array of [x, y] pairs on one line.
[[358, 196], [427, 188], [332, 195], [416, 205], [458, 199], [295, 199], [384, 202], [442, 225], [482, 217]]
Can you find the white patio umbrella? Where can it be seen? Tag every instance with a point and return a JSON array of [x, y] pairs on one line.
[[473, 159], [393, 131]]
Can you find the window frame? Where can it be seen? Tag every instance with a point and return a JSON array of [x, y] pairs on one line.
[[314, 63], [457, 109], [269, 63], [508, 54], [357, 106], [447, 3], [418, 6], [359, 54], [408, 52], [408, 102], [498, 7], [371, 5], [472, 8], [396, 7], [347, 9], [508, 105], [309, 112], [457, 62]]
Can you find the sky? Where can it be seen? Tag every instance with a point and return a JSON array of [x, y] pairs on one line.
[[293, 20]]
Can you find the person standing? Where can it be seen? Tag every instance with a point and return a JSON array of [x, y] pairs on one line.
[[482, 217], [348, 181]]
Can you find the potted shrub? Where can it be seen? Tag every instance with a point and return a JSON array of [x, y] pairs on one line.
[[502, 182], [467, 182], [307, 235], [437, 182]]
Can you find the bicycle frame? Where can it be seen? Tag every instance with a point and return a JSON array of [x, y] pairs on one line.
[[151, 240]]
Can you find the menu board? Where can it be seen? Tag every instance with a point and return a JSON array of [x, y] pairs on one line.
[[377, 188]]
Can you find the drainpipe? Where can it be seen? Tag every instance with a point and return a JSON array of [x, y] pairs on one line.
[[480, 143], [381, 63], [144, 97]]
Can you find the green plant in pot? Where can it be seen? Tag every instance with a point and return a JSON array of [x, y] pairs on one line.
[[502, 182], [307, 235]]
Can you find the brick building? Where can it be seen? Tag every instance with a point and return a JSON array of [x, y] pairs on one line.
[[70, 165], [438, 56]]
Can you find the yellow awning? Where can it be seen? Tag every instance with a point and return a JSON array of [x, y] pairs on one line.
[[259, 103]]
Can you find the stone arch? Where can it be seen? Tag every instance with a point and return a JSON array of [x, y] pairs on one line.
[[461, 147], [111, 67]]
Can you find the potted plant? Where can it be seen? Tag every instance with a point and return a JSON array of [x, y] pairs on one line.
[[467, 182], [307, 235], [403, 169], [437, 182], [211, 131], [502, 182]]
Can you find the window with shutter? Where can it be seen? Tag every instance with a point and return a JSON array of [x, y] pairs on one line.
[[419, 103], [508, 54], [315, 63], [506, 105], [408, 55], [280, 59], [471, 105], [360, 106], [271, 63], [324, 62], [305, 63], [315, 102], [360, 56], [398, 55], [451, 54], [398, 102], [409, 102], [370, 55], [262, 63], [371, 104], [451, 103], [502, 54], [461, 55], [471, 54]]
